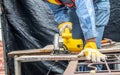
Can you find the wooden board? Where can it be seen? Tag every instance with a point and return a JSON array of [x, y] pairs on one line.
[[71, 68], [47, 50]]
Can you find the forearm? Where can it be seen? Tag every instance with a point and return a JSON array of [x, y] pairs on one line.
[[86, 15], [102, 12], [60, 13]]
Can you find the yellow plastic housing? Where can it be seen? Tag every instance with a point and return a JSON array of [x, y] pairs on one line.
[[73, 45]]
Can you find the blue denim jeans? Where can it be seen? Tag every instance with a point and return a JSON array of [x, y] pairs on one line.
[[89, 18]]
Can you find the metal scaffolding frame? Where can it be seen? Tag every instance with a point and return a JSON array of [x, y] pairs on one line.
[[75, 62], [72, 68]]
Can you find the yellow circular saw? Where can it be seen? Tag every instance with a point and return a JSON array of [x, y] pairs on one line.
[[64, 41]]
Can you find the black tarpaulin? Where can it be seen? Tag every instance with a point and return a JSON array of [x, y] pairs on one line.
[[29, 24]]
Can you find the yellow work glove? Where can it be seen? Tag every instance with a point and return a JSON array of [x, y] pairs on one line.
[[65, 23], [91, 53]]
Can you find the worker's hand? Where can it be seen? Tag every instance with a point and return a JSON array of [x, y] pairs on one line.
[[65, 24], [91, 53]]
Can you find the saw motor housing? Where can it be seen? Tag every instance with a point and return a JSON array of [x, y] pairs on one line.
[[64, 41]]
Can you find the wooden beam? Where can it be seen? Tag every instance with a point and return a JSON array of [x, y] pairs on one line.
[[71, 68], [32, 58], [47, 50], [43, 51]]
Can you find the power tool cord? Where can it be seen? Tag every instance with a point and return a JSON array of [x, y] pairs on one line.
[[50, 68]]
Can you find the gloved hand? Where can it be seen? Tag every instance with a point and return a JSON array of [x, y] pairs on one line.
[[68, 24], [91, 53]]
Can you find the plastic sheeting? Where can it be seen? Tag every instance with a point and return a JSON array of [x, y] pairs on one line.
[[29, 24]]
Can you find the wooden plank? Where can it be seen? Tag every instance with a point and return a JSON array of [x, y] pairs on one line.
[[32, 58], [49, 48], [110, 50], [107, 45], [71, 68], [111, 45], [46, 50]]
